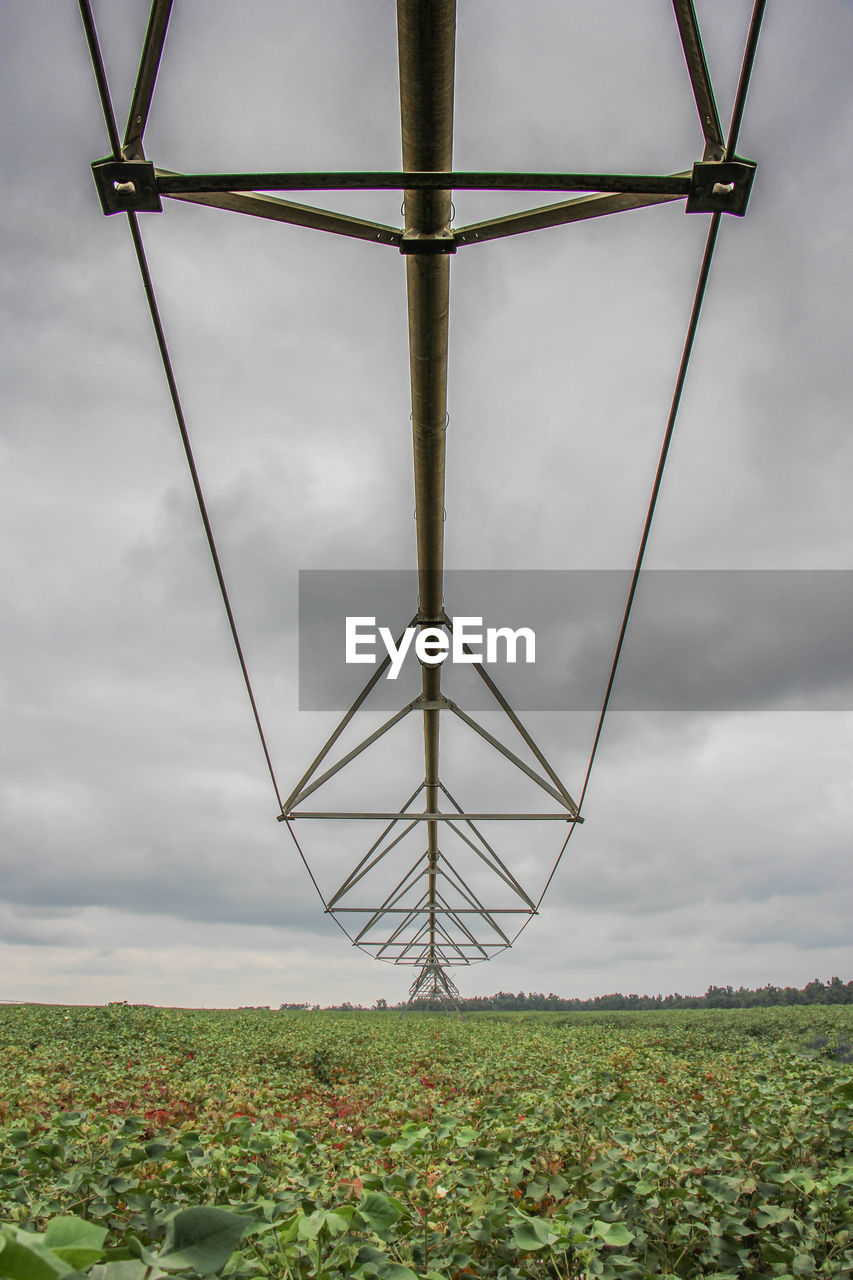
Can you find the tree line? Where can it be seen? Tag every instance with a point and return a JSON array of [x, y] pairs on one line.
[[815, 992]]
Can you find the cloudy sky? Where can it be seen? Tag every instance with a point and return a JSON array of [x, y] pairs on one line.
[[140, 856]]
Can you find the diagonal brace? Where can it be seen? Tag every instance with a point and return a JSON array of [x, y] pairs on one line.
[[512, 757]]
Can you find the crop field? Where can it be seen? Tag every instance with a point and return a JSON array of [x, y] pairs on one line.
[[139, 1142]]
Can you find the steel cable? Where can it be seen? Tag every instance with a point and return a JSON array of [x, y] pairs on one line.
[[704, 270], [307, 866], [698, 297], [139, 248]]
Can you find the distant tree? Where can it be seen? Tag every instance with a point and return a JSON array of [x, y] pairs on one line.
[[719, 997], [716, 997]]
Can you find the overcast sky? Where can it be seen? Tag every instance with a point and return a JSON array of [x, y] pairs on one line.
[[140, 855]]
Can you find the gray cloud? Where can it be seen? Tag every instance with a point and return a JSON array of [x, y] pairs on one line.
[[140, 855]]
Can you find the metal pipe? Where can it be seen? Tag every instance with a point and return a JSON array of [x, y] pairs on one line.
[[152, 52], [700, 81], [430, 816], [174, 184], [426, 42]]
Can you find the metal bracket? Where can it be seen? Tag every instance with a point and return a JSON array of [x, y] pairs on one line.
[[720, 187], [127, 186], [441, 242]]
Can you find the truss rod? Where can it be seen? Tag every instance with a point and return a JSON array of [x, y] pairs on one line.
[[459, 946], [366, 865], [432, 907], [355, 874], [500, 871], [351, 755], [100, 76], [561, 796], [700, 81], [400, 888], [745, 77], [300, 215], [430, 816], [493, 946], [468, 819], [418, 940], [448, 939], [695, 312], [504, 871], [443, 181], [152, 51], [257, 205], [556, 215], [410, 914], [514, 720], [166, 361], [338, 730], [424, 952], [461, 887]]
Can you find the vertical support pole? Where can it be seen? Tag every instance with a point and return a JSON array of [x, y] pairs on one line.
[[426, 36]]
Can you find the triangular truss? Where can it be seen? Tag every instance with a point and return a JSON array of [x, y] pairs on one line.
[[434, 986], [430, 912]]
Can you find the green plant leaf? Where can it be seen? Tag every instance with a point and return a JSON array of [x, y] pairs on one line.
[[533, 1233], [379, 1211], [485, 1157], [124, 1269], [75, 1241], [311, 1224], [611, 1233], [156, 1150], [336, 1222], [24, 1257], [201, 1239]]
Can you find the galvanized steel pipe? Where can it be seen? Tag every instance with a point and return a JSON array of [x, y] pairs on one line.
[[426, 37]]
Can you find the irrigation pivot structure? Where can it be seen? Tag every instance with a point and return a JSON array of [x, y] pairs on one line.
[[432, 917]]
